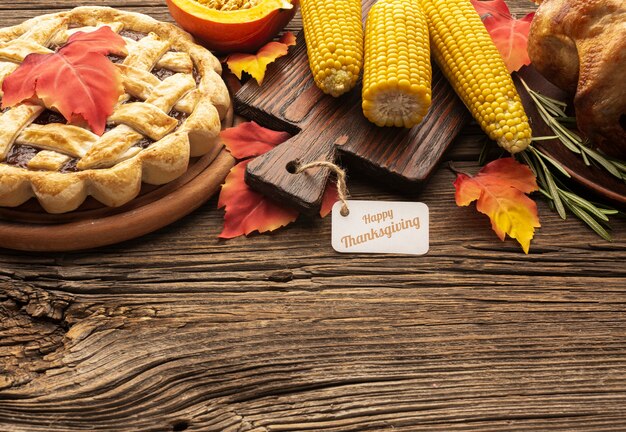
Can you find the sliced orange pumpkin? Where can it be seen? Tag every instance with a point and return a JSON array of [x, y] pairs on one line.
[[227, 31]]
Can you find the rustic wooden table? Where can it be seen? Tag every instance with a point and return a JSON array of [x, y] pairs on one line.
[[181, 331]]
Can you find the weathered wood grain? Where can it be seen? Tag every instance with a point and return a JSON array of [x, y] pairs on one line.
[[182, 331]]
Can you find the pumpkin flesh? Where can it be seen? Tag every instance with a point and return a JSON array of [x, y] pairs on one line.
[[226, 31]]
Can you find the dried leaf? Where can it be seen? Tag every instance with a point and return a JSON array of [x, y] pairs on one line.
[[247, 211], [256, 64], [250, 140], [500, 189], [509, 34], [78, 80]]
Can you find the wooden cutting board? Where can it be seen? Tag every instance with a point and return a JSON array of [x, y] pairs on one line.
[[327, 128]]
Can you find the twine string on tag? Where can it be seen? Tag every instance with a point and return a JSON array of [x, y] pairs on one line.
[[342, 188]]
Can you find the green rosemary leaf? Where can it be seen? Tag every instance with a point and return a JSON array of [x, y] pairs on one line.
[[584, 204], [556, 110], [609, 212], [546, 194], [541, 177], [482, 157], [572, 136], [552, 100], [554, 190], [544, 138], [557, 165], [620, 165], [585, 158], [606, 164], [591, 222]]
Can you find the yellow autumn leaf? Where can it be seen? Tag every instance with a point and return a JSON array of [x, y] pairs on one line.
[[500, 189], [256, 64]]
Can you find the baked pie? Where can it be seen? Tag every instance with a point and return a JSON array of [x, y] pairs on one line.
[[172, 109]]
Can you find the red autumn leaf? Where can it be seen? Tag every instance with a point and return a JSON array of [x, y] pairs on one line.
[[491, 7], [249, 140], [78, 80], [102, 41], [256, 64], [500, 189], [247, 211], [509, 34]]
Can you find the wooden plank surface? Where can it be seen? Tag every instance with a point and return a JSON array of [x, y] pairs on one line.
[[181, 331]]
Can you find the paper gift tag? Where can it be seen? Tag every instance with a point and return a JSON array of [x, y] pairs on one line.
[[381, 227]]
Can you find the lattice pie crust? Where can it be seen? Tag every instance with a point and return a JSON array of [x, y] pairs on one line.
[[172, 110]]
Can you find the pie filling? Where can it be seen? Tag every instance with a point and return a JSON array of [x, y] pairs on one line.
[[20, 155]]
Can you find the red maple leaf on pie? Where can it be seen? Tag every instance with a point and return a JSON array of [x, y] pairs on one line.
[[247, 211], [78, 80], [509, 34]]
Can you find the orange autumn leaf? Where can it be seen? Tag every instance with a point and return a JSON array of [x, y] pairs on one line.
[[249, 139], [247, 211], [500, 189], [491, 7], [510, 35], [78, 80], [256, 64]]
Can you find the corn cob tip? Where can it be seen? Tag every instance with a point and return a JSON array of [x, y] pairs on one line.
[[337, 82], [396, 107], [514, 146]]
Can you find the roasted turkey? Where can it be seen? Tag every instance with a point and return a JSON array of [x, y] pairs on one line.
[[580, 46]]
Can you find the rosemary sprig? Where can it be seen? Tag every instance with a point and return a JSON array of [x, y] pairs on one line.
[[549, 172], [552, 112], [561, 198]]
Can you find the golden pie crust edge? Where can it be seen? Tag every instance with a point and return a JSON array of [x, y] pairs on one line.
[[161, 162]]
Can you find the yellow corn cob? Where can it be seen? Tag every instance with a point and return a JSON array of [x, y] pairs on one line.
[[469, 59], [334, 38], [397, 73]]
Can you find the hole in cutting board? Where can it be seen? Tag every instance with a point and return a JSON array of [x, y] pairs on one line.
[[292, 166]]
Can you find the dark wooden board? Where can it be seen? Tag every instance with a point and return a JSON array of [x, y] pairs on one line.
[[289, 100]]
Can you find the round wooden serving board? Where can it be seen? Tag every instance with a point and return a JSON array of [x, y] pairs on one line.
[[29, 228], [92, 228]]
